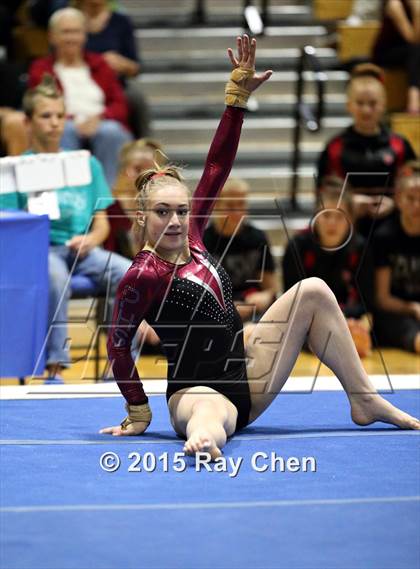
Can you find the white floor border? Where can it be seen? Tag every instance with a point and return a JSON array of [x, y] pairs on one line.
[[307, 384]]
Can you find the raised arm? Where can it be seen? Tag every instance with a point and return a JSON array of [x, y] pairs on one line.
[[242, 83]]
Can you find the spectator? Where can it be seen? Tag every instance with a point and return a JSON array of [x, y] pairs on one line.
[[398, 44], [366, 155], [332, 251], [111, 33], [243, 251], [75, 237], [13, 131], [95, 101], [42, 10], [135, 157], [397, 260]]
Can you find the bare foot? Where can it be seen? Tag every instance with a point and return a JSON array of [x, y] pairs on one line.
[[201, 441], [366, 409]]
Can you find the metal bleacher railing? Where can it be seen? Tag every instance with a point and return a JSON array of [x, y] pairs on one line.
[[306, 116]]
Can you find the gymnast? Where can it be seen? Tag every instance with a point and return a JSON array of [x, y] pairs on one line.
[[216, 385]]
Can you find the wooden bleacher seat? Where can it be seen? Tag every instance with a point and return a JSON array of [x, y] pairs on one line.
[[29, 41], [396, 86], [408, 126], [356, 41], [332, 9]]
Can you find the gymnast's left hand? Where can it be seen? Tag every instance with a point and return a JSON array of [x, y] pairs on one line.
[[245, 59], [135, 428]]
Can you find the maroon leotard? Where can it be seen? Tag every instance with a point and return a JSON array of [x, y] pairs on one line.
[[189, 306]]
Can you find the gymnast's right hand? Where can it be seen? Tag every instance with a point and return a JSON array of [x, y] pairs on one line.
[[136, 428], [138, 419]]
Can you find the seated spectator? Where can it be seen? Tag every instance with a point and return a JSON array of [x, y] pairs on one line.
[[398, 44], [42, 10], [95, 101], [76, 236], [366, 155], [14, 136], [397, 260], [135, 157], [111, 33], [243, 251], [332, 251]]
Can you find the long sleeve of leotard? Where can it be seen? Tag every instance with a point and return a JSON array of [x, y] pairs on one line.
[[141, 284], [134, 297], [217, 168]]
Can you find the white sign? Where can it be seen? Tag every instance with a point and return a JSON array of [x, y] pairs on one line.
[[44, 203]]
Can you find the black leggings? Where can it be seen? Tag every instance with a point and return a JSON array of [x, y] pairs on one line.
[[396, 330], [404, 56]]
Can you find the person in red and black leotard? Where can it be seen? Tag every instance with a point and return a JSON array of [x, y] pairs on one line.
[[215, 385], [327, 249], [367, 155]]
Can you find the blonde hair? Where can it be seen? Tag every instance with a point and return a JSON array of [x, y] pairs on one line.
[[48, 87], [146, 183], [233, 186], [149, 147], [367, 72]]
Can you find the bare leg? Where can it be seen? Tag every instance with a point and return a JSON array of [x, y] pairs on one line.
[[204, 417], [310, 311]]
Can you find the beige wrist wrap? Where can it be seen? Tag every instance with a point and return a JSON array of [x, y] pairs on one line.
[[235, 93], [137, 414]]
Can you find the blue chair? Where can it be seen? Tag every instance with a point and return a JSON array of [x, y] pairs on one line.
[[83, 287]]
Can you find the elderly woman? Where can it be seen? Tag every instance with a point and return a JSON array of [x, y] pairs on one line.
[[111, 33], [95, 102]]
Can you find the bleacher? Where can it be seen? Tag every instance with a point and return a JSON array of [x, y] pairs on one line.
[[186, 66]]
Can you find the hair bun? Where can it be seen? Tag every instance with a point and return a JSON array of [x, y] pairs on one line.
[[368, 70]]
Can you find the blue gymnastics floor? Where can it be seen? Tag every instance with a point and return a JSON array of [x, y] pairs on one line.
[[360, 509]]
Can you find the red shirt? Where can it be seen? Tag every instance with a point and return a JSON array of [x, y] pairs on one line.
[[115, 102]]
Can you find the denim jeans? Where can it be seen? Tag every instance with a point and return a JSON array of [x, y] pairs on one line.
[[104, 268]]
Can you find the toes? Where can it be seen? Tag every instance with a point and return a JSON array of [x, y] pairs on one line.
[[413, 423], [204, 444], [187, 448]]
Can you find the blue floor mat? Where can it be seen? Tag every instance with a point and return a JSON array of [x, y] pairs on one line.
[[359, 509]]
